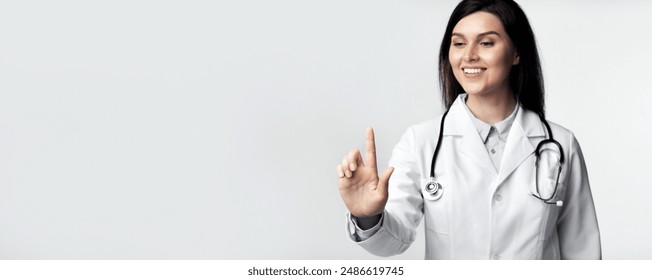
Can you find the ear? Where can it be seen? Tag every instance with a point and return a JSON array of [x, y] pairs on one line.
[[516, 58]]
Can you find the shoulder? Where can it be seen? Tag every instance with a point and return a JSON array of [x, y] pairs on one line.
[[534, 126], [422, 133], [426, 128], [559, 131], [564, 136]]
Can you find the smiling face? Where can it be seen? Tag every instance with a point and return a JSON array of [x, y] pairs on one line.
[[481, 54]]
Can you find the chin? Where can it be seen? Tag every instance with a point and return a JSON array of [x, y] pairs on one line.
[[473, 91]]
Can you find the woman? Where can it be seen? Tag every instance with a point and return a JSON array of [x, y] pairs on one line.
[[503, 183]]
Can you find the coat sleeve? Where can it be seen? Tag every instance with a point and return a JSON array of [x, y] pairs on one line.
[[577, 228], [403, 211]]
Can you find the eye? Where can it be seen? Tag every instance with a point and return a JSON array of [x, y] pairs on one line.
[[458, 44], [486, 44]]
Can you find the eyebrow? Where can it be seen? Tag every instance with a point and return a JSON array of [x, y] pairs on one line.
[[479, 35]]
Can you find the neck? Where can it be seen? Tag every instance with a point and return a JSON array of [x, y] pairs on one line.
[[491, 108]]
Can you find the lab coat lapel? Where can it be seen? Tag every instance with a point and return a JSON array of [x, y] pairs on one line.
[[472, 144], [518, 147]]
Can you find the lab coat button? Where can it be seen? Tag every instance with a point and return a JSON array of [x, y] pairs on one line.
[[499, 197], [493, 151], [496, 257]]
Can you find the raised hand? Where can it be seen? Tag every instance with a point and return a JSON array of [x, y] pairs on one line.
[[363, 192]]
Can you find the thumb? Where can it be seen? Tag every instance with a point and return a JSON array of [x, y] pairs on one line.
[[384, 179]]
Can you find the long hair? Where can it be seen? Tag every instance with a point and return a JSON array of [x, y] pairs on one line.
[[525, 79]]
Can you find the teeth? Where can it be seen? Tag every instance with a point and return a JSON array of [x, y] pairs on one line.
[[473, 70]]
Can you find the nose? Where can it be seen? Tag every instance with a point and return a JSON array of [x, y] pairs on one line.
[[471, 54]]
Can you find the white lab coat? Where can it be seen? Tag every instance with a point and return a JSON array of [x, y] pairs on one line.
[[484, 214]]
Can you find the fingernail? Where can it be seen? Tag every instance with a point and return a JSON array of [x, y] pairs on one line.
[[352, 166], [341, 174]]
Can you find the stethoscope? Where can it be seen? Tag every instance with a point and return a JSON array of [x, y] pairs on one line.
[[433, 190]]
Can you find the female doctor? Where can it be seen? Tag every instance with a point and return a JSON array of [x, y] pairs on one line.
[[491, 178]]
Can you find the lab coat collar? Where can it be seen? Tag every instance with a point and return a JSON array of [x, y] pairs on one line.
[[459, 123], [524, 135], [518, 147]]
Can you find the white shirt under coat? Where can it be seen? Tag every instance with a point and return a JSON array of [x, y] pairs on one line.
[[485, 212]]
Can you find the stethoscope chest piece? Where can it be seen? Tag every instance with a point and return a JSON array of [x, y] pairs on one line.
[[433, 190]]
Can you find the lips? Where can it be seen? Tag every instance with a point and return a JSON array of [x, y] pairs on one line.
[[473, 70]]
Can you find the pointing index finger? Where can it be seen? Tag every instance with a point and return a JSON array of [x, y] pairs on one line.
[[371, 148]]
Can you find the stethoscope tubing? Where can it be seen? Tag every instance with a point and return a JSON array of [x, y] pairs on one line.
[[441, 134], [434, 189]]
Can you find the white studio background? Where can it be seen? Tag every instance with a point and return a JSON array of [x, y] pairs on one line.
[[211, 130]]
